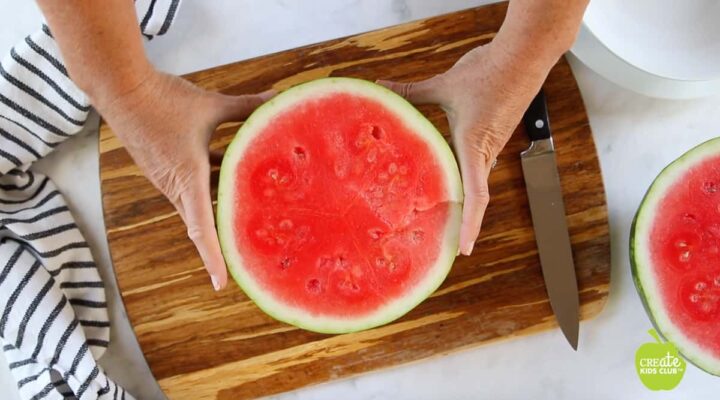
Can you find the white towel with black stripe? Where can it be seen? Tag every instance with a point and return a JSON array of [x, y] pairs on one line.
[[53, 314]]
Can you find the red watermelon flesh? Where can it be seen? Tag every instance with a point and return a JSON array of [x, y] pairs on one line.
[[686, 253], [675, 254], [341, 209]]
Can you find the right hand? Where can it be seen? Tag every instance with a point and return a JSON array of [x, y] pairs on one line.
[[484, 96], [166, 124]]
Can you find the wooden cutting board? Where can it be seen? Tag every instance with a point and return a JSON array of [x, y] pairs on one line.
[[201, 344]]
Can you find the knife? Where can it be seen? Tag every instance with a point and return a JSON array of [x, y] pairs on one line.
[[548, 216]]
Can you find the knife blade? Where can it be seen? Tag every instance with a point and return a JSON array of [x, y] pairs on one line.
[[547, 208]]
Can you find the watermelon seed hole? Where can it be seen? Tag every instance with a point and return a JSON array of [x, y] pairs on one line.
[[418, 236], [300, 153], [710, 187], [324, 262], [347, 284], [313, 286], [377, 133], [380, 262], [377, 192], [375, 233], [684, 256], [285, 263]]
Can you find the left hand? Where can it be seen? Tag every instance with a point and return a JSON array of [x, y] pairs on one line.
[[166, 124], [484, 96]]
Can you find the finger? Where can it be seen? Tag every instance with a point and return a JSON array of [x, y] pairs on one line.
[[475, 169], [198, 216], [429, 91], [476, 201], [237, 108]]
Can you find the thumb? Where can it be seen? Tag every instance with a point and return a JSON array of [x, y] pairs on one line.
[[429, 91], [196, 210], [237, 108], [475, 168], [476, 201]]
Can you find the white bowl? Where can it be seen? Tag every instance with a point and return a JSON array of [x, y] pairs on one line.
[[661, 48]]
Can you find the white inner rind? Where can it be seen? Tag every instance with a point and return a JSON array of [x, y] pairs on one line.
[[643, 259], [416, 123]]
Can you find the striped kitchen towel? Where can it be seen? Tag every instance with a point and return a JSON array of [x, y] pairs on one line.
[[53, 314]]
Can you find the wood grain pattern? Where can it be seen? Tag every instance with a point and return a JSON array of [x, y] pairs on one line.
[[202, 344]]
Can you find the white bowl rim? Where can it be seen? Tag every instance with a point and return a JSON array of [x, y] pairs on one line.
[[626, 61], [591, 51]]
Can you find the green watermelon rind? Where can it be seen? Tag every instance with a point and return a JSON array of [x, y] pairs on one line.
[[419, 124], [640, 260]]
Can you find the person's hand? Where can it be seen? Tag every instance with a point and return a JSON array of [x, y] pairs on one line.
[[165, 124], [484, 96]]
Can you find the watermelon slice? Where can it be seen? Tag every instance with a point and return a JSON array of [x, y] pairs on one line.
[[339, 206], [675, 254]]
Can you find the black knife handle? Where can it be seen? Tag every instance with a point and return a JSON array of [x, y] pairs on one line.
[[536, 120]]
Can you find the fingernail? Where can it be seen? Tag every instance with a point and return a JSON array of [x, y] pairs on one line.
[[268, 94], [215, 282], [468, 249]]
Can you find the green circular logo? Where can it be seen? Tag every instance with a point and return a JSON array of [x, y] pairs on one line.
[[658, 364]]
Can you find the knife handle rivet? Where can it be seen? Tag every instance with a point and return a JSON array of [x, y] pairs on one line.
[[539, 123]]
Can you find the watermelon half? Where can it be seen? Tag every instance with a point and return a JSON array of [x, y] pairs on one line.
[[339, 206], [675, 254]]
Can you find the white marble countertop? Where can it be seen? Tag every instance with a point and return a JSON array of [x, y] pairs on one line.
[[636, 136]]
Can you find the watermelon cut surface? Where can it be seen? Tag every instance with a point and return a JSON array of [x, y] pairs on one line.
[[675, 254], [339, 206]]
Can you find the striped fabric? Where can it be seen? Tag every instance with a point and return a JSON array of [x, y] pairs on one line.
[[53, 314]]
